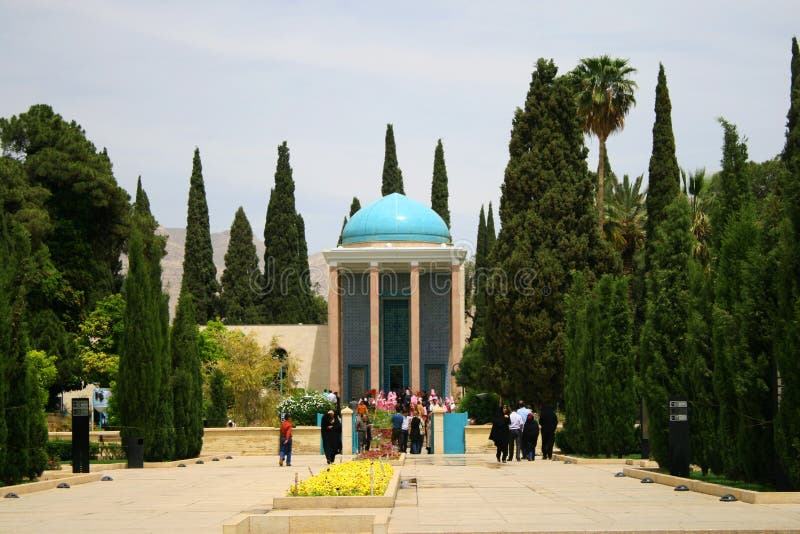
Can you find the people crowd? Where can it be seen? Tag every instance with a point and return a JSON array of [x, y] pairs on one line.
[[515, 432]]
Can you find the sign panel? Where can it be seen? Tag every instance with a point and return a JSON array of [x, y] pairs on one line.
[[80, 407]]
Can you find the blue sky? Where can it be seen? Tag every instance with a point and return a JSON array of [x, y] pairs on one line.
[[151, 81]]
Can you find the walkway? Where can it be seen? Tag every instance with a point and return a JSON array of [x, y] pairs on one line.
[[453, 494]]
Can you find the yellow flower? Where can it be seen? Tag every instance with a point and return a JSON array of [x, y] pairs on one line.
[[348, 479]]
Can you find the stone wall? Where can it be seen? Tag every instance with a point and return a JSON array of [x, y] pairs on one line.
[[255, 441]]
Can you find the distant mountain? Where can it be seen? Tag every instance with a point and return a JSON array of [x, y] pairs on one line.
[[172, 264]]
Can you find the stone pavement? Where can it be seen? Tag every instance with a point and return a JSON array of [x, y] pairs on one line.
[[453, 494]]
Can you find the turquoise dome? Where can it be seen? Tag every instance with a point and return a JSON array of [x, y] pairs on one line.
[[395, 217]]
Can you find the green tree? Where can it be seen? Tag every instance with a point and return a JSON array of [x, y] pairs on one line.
[[787, 340], [392, 175], [625, 218], [663, 183], [143, 392], [241, 277], [439, 194], [23, 433], [99, 338], [579, 406], [354, 206], [604, 96], [548, 229], [480, 277], [187, 382], [199, 271], [491, 235], [733, 182], [663, 337], [218, 409], [286, 293]]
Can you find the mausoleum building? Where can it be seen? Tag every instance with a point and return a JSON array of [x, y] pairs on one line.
[[395, 301]]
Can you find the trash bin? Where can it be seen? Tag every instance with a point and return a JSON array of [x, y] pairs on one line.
[[135, 452]]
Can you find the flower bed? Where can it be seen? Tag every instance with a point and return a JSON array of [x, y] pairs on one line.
[[348, 479]]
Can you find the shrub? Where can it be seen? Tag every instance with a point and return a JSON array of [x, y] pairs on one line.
[[351, 478], [562, 443], [480, 408], [61, 450], [304, 406]]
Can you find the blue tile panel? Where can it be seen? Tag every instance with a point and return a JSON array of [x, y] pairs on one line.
[[354, 325], [434, 322]]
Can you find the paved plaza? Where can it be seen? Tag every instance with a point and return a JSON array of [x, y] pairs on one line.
[[470, 493]]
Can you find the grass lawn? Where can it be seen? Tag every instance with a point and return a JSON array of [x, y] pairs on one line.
[[717, 479], [635, 456], [69, 462]]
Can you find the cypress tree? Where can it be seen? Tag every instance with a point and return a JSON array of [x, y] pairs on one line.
[[392, 175], [733, 182], [187, 387], [548, 229], [481, 276], [143, 391], [664, 174], [241, 277], [341, 232], [663, 337], [439, 194], [199, 271], [579, 408], [354, 206], [742, 338], [309, 314], [787, 345], [218, 411], [285, 299], [491, 236]]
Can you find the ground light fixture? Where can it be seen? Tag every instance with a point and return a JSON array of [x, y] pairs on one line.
[[215, 459], [201, 462], [229, 457], [728, 498], [567, 461], [619, 474], [11, 495], [106, 479], [63, 485], [181, 465], [681, 487], [647, 480]]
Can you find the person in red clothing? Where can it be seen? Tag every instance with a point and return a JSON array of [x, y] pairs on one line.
[[286, 441]]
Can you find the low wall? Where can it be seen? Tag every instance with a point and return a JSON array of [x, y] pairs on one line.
[[259, 441], [109, 436]]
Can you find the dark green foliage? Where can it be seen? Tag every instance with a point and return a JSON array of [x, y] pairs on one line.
[[344, 223], [791, 149], [392, 175], [217, 415], [664, 176], [187, 383], [143, 392], [548, 228], [439, 194], [699, 365], [307, 294], [491, 235], [599, 374], [354, 206], [87, 210], [481, 409], [474, 371], [286, 298], [663, 339], [742, 338], [733, 182], [480, 278], [199, 272], [787, 421], [23, 434], [99, 338], [242, 277]]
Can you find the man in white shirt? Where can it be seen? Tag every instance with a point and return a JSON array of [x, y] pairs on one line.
[[523, 411], [515, 436]]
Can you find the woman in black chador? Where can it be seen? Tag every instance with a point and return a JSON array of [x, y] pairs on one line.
[[331, 436], [548, 421], [530, 435], [499, 433]]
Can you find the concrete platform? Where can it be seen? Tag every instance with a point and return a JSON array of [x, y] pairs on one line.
[[453, 494]]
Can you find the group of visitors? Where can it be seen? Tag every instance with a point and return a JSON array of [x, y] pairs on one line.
[[410, 425], [515, 432]]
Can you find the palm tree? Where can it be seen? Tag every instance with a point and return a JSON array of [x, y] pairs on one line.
[[625, 217], [693, 184], [604, 96]]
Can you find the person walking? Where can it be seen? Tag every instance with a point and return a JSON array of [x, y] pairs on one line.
[[331, 436], [548, 421], [361, 429], [416, 433], [404, 430], [286, 441], [530, 435], [523, 410], [499, 433], [397, 426], [515, 435]]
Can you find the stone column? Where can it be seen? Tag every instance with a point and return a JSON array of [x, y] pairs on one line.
[[438, 430], [456, 319], [334, 353], [414, 367], [374, 327], [347, 431]]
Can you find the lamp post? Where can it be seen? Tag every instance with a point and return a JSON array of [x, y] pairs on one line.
[[280, 356]]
